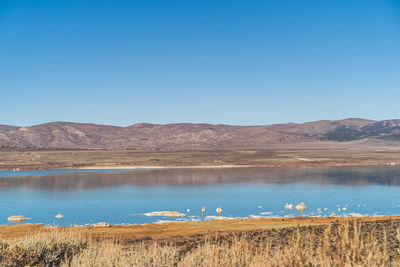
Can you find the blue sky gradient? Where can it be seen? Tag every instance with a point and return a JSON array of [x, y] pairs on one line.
[[230, 62]]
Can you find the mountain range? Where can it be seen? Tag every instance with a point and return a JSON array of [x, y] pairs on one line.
[[70, 135]]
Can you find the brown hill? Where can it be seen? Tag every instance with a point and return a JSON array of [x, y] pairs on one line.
[[188, 135]]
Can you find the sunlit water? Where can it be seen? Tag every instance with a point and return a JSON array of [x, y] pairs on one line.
[[123, 197]]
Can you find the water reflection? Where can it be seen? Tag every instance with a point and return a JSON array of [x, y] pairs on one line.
[[350, 176]]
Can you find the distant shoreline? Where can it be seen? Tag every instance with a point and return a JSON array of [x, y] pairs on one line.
[[125, 159], [237, 166], [164, 167], [278, 165]]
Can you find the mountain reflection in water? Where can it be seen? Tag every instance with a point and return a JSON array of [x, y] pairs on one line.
[[350, 176]]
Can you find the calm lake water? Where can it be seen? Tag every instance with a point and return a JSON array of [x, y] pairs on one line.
[[123, 197]]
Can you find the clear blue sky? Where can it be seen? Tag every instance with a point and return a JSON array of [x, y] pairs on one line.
[[232, 62]]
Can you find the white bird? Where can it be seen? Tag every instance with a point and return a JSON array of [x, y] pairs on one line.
[[59, 216], [325, 209], [338, 209], [203, 209], [344, 208], [301, 207], [289, 206], [188, 210], [219, 210]]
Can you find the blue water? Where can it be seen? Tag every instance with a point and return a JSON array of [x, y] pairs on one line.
[[124, 197]]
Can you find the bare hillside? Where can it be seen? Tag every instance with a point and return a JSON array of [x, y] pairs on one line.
[[188, 135]]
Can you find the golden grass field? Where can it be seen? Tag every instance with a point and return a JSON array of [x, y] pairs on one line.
[[183, 229], [367, 241]]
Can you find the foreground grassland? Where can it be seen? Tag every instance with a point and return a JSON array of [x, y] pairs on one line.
[[321, 154], [369, 241]]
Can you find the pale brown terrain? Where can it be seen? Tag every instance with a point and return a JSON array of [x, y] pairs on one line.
[[306, 154], [75, 145]]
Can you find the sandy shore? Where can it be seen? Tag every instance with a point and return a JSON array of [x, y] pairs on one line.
[[163, 167], [182, 229]]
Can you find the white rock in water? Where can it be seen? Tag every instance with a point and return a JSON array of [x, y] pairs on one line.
[[166, 213], [102, 224], [301, 207], [18, 218], [289, 206]]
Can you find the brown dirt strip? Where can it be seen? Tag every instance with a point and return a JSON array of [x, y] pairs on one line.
[[157, 231]]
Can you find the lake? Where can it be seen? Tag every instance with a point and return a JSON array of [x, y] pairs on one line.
[[85, 197]]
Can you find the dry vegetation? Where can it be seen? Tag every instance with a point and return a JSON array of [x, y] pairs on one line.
[[339, 243], [308, 154]]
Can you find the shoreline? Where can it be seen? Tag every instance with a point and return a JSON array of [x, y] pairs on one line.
[[149, 167], [105, 167], [126, 159], [327, 164], [186, 229]]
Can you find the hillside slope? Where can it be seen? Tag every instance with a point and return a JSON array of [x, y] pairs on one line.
[[188, 135]]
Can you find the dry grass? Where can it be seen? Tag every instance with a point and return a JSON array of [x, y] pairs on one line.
[[350, 243], [47, 249], [308, 154], [114, 254]]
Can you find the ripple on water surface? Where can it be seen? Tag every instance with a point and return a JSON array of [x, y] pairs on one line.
[[85, 197]]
